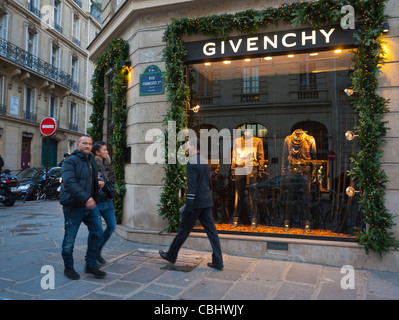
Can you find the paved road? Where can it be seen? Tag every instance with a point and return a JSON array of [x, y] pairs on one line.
[[30, 243]]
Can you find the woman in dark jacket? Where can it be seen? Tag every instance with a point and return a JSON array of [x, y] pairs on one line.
[[103, 199]]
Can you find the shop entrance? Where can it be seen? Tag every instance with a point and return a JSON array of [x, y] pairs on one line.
[[293, 112]]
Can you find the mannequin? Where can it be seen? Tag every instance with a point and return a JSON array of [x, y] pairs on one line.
[[248, 156], [299, 149]]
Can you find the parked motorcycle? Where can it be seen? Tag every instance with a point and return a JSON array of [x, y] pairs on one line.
[[8, 188], [37, 189], [33, 182]]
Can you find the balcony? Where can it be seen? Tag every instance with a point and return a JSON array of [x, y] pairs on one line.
[[308, 95], [75, 86], [76, 41], [57, 27], [30, 61], [33, 9], [73, 126], [30, 116]]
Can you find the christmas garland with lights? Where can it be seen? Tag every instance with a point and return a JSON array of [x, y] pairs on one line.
[[114, 57], [370, 107]]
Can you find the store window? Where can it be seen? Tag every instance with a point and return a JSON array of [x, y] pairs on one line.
[[294, 112]]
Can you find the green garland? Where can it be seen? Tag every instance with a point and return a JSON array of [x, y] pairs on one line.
[[366, 170], [114, 57]]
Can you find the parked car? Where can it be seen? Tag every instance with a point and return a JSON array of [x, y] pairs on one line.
[[36, 179]]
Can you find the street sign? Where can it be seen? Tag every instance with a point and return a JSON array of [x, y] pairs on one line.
[[48, 126], [331, 155], [151, 81]]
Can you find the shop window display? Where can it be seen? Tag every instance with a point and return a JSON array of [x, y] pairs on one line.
[[293, 112]]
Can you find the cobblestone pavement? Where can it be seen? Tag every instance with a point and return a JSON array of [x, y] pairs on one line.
[[30, 245]]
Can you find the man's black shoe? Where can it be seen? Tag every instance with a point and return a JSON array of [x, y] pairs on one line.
[[215, 266], [164, 255], [95, 271], [71, 274]]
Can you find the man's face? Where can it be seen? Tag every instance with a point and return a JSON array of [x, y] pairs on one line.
[[85, 145]]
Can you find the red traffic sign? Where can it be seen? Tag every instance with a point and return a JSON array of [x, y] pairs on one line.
[[48, 126], [331, 155]]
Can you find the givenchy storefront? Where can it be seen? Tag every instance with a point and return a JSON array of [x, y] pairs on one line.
[[285, 92], [274, 106]]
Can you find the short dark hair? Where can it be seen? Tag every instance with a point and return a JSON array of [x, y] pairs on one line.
[[84, 136], [97, 146]]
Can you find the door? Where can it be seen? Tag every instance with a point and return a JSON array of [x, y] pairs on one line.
[[52, 156], [25, 152]]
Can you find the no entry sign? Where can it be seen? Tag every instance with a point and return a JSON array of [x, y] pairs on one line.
[[48, 126], [331, 155]]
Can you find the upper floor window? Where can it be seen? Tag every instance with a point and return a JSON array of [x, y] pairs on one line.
[[54, 107], [4, 26], [34, 7], [57, 15], [32, 40], [73, 116], [307, 81], [250, 80], [76, 29], [30, 104], [2, 92], [55, 56], [75, 74]]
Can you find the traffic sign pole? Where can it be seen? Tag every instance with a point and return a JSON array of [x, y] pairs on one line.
[[47, 128]]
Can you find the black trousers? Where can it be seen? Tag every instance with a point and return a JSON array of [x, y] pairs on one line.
[[186, 225], [241, 183]]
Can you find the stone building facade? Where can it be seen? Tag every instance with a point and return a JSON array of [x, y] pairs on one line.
[[44, 72], [251, 92]]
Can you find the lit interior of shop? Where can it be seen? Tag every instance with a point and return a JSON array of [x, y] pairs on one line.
[[294, 111]]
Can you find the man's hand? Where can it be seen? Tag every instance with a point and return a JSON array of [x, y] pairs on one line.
[[90, 203]]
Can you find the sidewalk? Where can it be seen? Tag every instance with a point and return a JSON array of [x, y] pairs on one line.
[[31, 235]]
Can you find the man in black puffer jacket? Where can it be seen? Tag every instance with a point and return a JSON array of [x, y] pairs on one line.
[[78, 190]]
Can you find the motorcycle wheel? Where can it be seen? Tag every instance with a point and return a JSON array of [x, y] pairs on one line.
[[11, 200]]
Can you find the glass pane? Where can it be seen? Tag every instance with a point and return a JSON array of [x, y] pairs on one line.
[[293, 113]]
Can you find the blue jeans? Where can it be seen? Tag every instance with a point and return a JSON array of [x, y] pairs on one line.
[[73, 218], [107, 212]]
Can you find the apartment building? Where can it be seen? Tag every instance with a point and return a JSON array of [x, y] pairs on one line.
[[44, 72]]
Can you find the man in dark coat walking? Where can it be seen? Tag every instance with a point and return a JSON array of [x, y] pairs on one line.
[[78, 190], [198, 206]]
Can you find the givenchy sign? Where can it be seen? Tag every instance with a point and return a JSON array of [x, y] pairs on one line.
[[273, 42]]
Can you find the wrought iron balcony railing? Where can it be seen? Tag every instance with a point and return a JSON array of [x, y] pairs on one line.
[[3, 109], [30, 116], [73, 126], [28, 60], [33, 9], [57, 27], [76, 41]]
